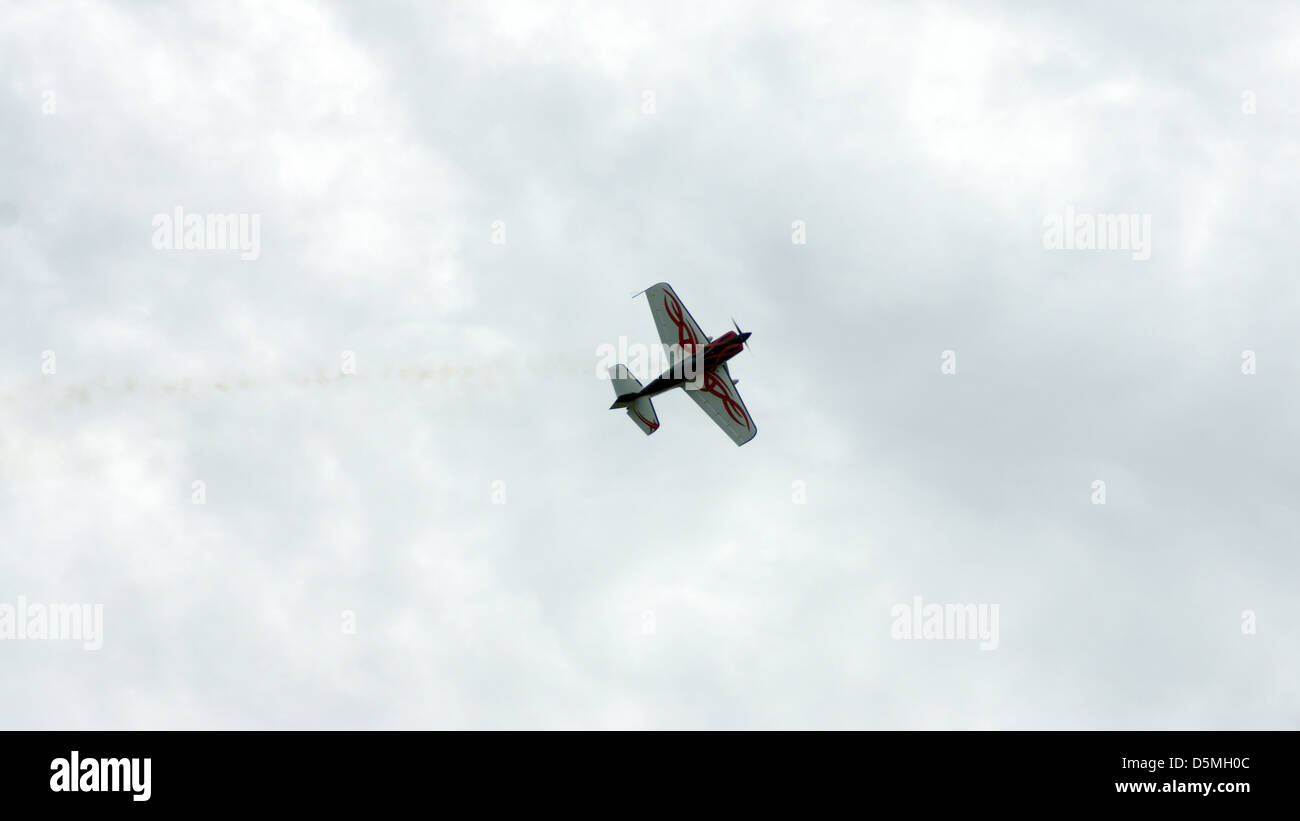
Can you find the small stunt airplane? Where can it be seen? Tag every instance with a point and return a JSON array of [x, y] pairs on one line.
[[708, 382]]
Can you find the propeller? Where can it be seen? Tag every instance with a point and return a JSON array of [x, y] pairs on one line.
[[736, 325]]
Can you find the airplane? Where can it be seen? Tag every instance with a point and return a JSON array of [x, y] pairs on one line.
[[716, 393]]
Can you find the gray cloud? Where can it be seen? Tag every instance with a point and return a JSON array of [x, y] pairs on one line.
[[669, 581]]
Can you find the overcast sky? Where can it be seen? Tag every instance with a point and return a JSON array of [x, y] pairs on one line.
[[418, 510]]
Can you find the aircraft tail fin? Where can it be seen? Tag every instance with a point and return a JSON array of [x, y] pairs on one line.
[[639, 408]]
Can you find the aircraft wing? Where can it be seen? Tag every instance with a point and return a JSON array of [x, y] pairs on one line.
[[675, 324], [721, 401]]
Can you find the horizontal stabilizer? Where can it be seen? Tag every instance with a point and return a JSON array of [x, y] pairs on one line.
[[639, 408]]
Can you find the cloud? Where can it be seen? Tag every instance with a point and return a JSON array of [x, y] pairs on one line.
[[459, 202]]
